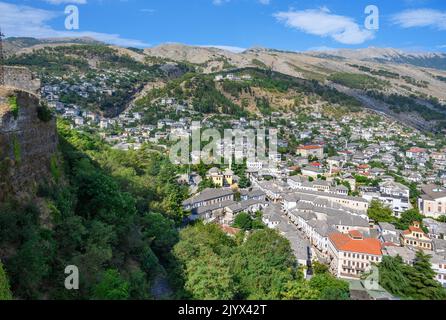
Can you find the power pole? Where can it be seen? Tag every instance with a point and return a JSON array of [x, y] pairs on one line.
[[2, 73]]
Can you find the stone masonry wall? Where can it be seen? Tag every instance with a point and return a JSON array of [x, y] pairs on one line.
[[21, 78], [26, 144]]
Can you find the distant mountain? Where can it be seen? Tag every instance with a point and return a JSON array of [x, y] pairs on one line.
[[433, 60], [13, 45], [406, 83]]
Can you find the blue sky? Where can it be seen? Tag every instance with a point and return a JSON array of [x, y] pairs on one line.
[[281, 24]]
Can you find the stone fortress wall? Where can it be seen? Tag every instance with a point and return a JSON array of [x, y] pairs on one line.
[[21, 78], [27, 144]]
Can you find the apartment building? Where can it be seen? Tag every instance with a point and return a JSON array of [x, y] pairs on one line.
[[432, 202], [351, 255]]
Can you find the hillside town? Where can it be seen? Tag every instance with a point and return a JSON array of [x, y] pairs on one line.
[[319, 189], [224, 155]]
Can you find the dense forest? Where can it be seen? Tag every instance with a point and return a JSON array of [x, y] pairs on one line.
[[103, 210]]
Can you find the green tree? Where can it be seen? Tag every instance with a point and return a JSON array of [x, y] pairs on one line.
[[263, 265], [380, 213], [410, 282], [422, 279], [243, 221], [5, 291], [161, 232], [329, 287], [209, 278], [111, 287], [408, 217], [299, 290], [320, 268]]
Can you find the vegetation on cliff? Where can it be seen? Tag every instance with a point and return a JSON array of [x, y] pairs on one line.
[[99, 222], [5, 291], [13, 105]]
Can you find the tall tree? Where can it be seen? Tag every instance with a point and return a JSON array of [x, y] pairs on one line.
[[380, 213], [111, 287], [5, 291], [209, 278]]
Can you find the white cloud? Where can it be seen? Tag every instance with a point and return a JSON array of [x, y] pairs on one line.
[[147, 10], [421, 18], [66, 1], [219, 2], [321, 22], [25, 21], [227, 48]]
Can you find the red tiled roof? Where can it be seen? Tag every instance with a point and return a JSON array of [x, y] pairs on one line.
[[415, 229], [344, 242], [417, 150], [310, 147], [229, 230]]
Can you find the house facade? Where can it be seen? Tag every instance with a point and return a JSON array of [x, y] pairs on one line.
[[351, 255], [432, 202]]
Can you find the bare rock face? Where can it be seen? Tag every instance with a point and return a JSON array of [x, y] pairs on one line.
[[27, 144]]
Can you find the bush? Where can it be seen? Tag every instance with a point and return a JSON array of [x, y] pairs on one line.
[[44, 113], [16, 150], [14, 107]]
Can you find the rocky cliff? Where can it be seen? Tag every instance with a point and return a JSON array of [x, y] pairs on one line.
[[28, 142]]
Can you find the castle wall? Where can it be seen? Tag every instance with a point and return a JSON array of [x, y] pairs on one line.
[[21, 78], [27, 136]]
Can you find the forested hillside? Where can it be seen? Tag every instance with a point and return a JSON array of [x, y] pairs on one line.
[[102, 208], [264, 93], [95, 76]]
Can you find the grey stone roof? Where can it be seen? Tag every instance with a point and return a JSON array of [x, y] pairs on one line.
[[439, 246], [346, 219], [432, 192], [209, 194], [331, 195], [434, 226], [244, 205], [216, 206], [386, 226], [252, 193]]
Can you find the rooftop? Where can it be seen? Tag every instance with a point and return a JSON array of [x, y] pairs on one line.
[[344, 242]]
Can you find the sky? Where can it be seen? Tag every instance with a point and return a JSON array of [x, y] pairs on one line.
[[293, 25]]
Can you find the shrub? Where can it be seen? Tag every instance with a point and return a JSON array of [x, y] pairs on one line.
[[44, 113], [16, 149], [54, 168], [14, 107]]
